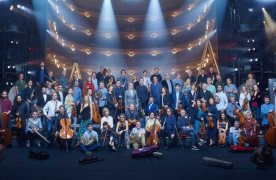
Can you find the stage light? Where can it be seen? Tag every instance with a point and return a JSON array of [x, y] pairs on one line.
[[253, 49], [251, 60], [236, 69], [263, 9], [256, 59], [87, 14], [130, 19], [11, 8], [253, 40], [130, 36], [18, 6], [131, 54], [174, 51]]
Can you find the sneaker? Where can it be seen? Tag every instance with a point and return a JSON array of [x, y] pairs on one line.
[[194, 148], [202, 141]]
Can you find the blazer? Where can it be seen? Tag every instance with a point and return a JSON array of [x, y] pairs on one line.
[[166, 100], [165, 84], [181, 98], [41, 102], [131, 99], [153, 108], [59, 98]]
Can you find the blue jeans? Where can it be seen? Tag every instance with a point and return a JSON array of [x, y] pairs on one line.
[[191, 132], [90, 147], [50, 125], [233, 139], [256, 112]]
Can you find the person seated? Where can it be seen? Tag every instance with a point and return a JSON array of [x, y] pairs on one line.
[[231, 108], [132, 116], [185, 128], [222, 125], [33, 125], [106, 118], [168, 129], [151, 107], [152, 123], [234, 134], [266, 108], [61, 116], [110, 135], [252, 128], [137, 136], [89, 140], [122, 130]]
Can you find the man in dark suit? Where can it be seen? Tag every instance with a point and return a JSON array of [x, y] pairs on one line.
[[41, 74], [151, 107], [61, 94], [167, 83], [177, 98], [204, 94], [76, 79], [43, 98], [156, 74], [143, 94]]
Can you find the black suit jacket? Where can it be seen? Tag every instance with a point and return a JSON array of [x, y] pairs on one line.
[[64, 95], [165, 84], [166, 100], [40, 100]]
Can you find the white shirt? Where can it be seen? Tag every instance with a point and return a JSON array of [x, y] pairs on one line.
[[146, 81], [177, 97], [61, 97], [109, 120], [45, 97], [223, 103], [51, 107]]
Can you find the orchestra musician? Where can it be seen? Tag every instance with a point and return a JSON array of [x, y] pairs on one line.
[[230, 89], [20, 84], [156, 74], [213, 114], [20, 115], [137, 136], [167, 83], [86, 115], [202, 77], [204, 94], [222, 125], [131, 96], [88, 85], [219, 81], [61, 116], [64, 81], [210, 86], [33, 124], [77, 94], [50, 110], [6, 108], [252, 128], [100, 75], [49, 89], [221, 100], [142, 93], [29, 94], [111, 136], [244, 100], [234, 134], [151, 107], [132, 116], [146, 79], [122, 130], [168, 130], [185, 127], [61, 94], [165, 100], [112, 103], [135, 81], [50, 78], [231, 108], [102, 99], [151, 122], [69, 102], [95, 81], [41, 75], [123, 80], [178, 99], [76, 79], [155, 89], [266, 108], [191, 76], [89, 140], [106, 118]]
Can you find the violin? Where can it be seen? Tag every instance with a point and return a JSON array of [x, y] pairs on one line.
[[120, 104], [96, 113], [270, 135], [179, 107], [202, 128], [222, 137], [66, 132], [74, 111], [211, 123], [153, 138], [18, 124], [240, 116]]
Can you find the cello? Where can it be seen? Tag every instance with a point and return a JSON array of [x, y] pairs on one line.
[[270, 135], [240, 116], [66, 132], [96, 113], [153, 138]]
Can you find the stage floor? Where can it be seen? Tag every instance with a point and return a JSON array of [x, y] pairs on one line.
[[176, 163]]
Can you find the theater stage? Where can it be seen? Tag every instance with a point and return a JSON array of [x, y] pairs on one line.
[[176, 163]]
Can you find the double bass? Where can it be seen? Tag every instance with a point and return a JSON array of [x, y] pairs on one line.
[[270, 135], [153, 138], [5, 132], [96, 113]]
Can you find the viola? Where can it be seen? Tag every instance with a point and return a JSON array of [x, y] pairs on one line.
[[120, 104], [153, 138], [96, 113], [179, 107], [270, 135], [74, 111], [18, 124], [211, 123], [66, 132]]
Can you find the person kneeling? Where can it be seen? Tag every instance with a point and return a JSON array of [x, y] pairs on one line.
[[137, 136], [89, 140], [122, 130]]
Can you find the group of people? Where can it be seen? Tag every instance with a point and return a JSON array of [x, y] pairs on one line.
[[131, 112]]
